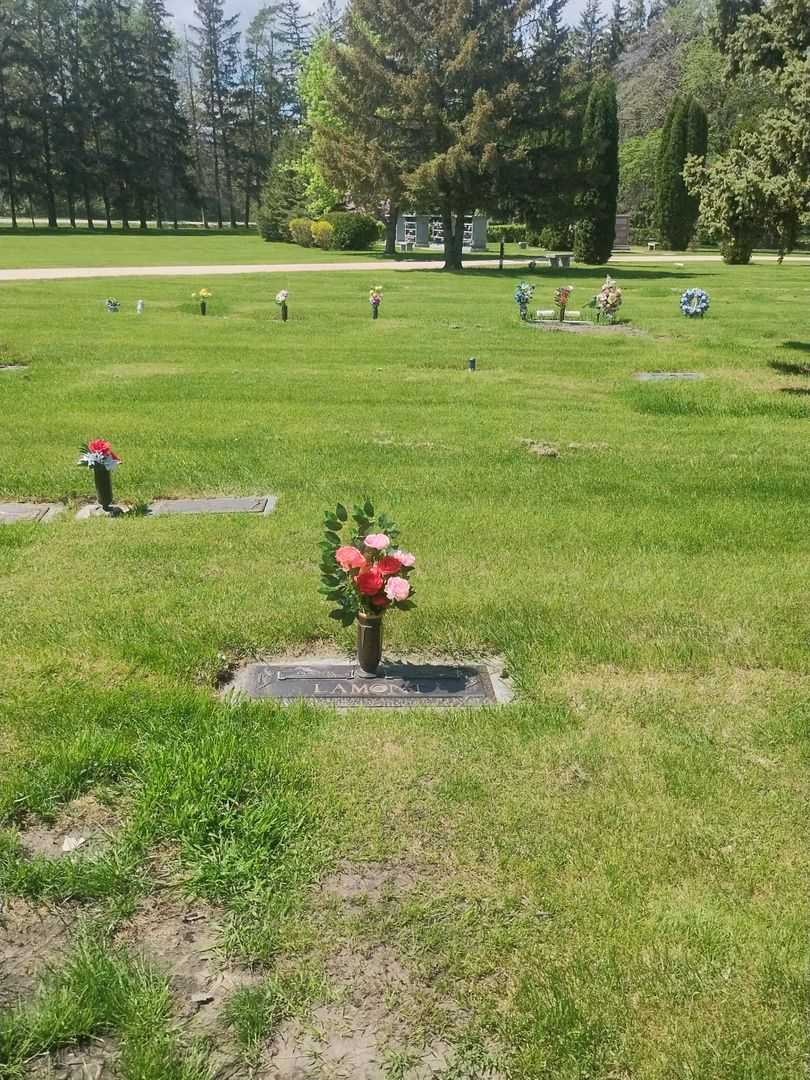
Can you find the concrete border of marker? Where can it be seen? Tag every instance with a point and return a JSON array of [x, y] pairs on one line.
[[242, 684], [14, 513]]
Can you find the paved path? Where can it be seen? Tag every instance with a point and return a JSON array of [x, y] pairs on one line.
[[51, 274], [54, 273]]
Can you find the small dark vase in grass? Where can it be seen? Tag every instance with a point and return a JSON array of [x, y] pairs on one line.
[[281, 300], [99, 456], [204, 295]]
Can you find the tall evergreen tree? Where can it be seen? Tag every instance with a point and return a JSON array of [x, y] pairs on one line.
[[589, 38], [685, 132], [596, 224], [616, 33], [216, 56], [636, 17]]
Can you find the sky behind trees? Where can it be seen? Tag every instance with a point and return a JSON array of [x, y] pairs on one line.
[[183, 10]]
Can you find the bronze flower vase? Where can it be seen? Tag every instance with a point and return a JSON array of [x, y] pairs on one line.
[[375, 310], [203, 307], [562, 312], [369, 642], [284, 312], [104, 493]]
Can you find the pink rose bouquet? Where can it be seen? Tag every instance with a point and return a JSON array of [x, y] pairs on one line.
[[369, 574]]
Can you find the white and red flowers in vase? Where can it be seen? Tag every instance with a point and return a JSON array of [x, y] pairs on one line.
[[99, 456], [366, 577], [281, 300]]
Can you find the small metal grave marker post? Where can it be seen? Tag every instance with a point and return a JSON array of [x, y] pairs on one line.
[[471, 364]]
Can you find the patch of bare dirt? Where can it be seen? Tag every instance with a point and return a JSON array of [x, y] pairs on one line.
[[368, 1027], [83, 826], [358, 883], [184, 942], [587, 328], [93, 1060], [31, 939], [541, 449]]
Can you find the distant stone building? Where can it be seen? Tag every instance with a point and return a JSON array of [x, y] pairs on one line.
[[427, 230]]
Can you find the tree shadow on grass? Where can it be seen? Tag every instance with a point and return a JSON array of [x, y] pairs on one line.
[[575, 273], [789, 369], [799, 346], [797, 391]]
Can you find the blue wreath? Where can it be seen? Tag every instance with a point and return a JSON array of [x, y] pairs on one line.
[[694, 303]]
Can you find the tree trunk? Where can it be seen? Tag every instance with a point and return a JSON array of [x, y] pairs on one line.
[[142, 215], [106, 200], [247, 208], [391, 229], [124, 207], [50, 195], [453, 240], [71, 209], [158, 212], [11, 193], [88, 209]]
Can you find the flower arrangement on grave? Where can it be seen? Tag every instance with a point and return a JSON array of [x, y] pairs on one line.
[[365, 577], [281, 300], [694, 303], [375, 299], [607, 301], [561, 298], [523, 294], [98, 455], [203, 295], [112, 305]]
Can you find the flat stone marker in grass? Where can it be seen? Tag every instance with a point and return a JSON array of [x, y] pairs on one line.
[[663, 376], [12, 513], [396, 686], [261, 504]]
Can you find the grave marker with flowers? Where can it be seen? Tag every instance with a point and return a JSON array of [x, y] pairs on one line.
[[281, 300], [204, 295], [694, 303], [523, 294], [365, 577], [99, 456], [375, 299], [561, 297]]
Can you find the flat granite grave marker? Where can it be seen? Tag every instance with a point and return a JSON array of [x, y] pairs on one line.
[[12, 513], [261, 504], [661, 376], [397, 685]]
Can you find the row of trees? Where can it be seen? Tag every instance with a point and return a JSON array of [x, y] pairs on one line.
[[105, 113]]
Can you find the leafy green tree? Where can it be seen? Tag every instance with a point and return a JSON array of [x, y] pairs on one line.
[[596, 206], [763, 182]]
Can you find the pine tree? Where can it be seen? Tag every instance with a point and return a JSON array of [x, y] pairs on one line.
[[685, 132], [589, 38], [596, 224], [329, 20], [283, 193], [216, 54], [636, 17], [617, 33]]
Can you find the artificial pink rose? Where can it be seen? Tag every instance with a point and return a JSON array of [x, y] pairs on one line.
[[404, 557], [349, 558], [377, 541], [370, 581], [389, 565], [397, 588]]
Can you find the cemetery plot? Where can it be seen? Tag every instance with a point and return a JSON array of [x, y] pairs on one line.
[[12, 513], [398, 686], [262, 504], [665, 376]]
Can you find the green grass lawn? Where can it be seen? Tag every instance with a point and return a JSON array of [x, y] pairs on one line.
[[189, 247], [606, 879]]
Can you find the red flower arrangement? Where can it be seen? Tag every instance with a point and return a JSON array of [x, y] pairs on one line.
[[371, 573]]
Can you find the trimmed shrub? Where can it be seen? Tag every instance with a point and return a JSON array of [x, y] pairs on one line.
[[301, 231], [511, 233], [596, 206], [557, 237], [283, 194], [322, 234], [352, 231]]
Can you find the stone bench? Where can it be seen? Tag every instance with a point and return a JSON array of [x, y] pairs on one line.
[[652, 245], [559, 260]]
